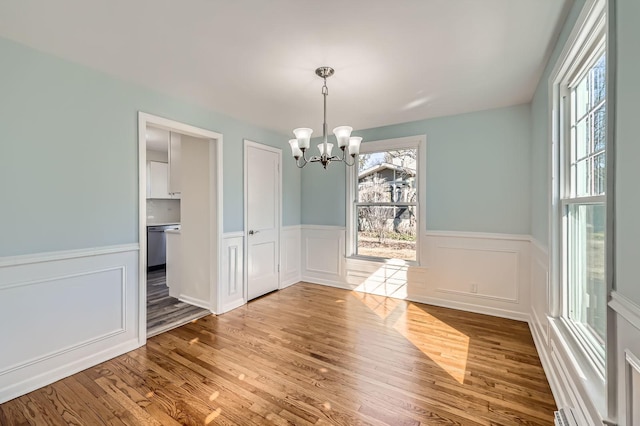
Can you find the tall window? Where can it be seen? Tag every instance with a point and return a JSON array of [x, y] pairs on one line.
[[384, 200], [583, 199]]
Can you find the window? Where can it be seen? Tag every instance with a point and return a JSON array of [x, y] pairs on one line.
[[582, 200], [383, 200]]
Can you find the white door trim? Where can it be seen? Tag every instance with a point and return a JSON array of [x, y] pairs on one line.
[[216, 187], [277, 151]]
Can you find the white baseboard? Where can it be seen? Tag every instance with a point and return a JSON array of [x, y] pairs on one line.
[[470, 307], [205, 304], [494, 281], [30, 384], [328, 283], [289, 282], [232, 305]]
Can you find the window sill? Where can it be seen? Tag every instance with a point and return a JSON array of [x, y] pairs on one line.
[[396, 263], [585, 374]]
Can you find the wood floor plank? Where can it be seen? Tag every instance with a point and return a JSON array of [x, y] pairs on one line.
[[311, 355]]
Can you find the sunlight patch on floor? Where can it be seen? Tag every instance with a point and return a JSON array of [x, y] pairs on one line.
[[388, 280], [380, 305], [446, 346]]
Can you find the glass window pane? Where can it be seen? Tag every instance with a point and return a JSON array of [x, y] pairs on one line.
[[582, 132], [599, 128], [386, 231], [583, 178], [581, 96], [599, 174], [387, 177], [586, 295], [598, 77]]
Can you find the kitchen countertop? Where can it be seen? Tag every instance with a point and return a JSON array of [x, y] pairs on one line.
[[162, 223]]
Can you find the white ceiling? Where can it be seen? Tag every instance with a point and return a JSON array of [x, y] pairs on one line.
[[395, 61]]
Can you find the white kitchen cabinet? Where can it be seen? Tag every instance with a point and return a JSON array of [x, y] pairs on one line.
[[158, 181], [175, 164]]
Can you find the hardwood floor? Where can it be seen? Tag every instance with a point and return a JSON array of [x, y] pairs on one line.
[[311, 355], [163, 311]]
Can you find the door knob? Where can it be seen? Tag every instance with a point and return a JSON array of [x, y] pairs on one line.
[[253, 232]]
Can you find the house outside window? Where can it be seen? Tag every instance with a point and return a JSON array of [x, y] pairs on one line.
[[383, 199]]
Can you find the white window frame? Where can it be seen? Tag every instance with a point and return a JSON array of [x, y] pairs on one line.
[[586, 44], [411, 142]]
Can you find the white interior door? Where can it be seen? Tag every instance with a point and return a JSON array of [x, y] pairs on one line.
[[262, 221]]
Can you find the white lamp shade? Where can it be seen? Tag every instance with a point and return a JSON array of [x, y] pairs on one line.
[[354, 145], [342, 135], [329, 148], [303, 135], [295, 150]]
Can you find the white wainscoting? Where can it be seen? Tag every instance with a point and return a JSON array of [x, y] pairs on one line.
[[564, 371], [232, 280], [323, 255], [232, 285], [477, 272], [540, 291], [628, 362], [290, 255], [63, 312]]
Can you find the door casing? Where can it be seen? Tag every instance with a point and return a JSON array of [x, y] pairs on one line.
[[216, 224]]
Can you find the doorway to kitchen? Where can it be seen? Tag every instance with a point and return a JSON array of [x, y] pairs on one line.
[[180, 223]]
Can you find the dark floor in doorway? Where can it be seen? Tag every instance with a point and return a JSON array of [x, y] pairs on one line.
[[163, 311]]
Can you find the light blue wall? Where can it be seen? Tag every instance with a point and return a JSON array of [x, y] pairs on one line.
[[68, 154], [540, 143], [628, 151], [477, 173]]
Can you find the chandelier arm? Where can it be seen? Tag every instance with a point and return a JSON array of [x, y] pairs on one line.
[[346, 162], [304, 162]]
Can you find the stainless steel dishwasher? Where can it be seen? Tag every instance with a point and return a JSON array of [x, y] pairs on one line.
[[157, 244]]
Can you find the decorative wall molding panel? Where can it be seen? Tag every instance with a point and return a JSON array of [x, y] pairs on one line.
[[290, 255], [82, 310], [232, 285], [323, 254]]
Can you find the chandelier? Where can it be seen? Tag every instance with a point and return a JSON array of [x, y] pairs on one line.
[[349, 145]]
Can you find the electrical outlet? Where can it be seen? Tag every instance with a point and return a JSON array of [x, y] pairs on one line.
[[474, 288]]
